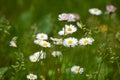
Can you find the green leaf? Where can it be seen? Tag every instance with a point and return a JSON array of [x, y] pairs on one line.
[[3, 71]]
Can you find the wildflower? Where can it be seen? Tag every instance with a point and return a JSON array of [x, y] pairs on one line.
[[56, 41], [31, 76], [68, 17], [95, 11], [70, 42], [45, 44], [33, 58], [110, 9], [86, 41], [103, 28], [40, 55], [37, 41], [13, 44], [77, 69], [69, 29], [57, 53], [42, 36], [80, 25]]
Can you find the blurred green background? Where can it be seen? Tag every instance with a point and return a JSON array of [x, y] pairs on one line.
[[25, 18]]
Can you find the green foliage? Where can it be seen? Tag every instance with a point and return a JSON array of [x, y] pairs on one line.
[[21, 20]]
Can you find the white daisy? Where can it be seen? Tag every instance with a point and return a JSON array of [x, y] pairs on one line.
[[45, 44], [66, 17], [42, 36], [57, 41], [77, 69], [40, 55], [69, 29], [13, 44], [70, 42], [31, 76], [95, 11], [33, 58], [86, 41], [37, 41], [56, 53]]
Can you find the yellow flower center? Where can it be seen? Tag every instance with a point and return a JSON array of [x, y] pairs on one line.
[[86, 41], [70, 42], [42, 36], [77, 69], [34, 58], [32, 76], [69, 29], [95, 10], [45, 44]]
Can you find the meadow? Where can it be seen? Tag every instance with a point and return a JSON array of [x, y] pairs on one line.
[[59, 40]]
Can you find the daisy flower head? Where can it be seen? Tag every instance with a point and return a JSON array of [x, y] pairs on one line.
[[110, 9], [56, 53], [31, 76], [86, 41], [37, 41], [95, 11], [13, 44], [66, 17], [40, 55], [42, 36], [70, 29], [70, 42], [77, 69], [33, 58], [57, 41], [45, 44]]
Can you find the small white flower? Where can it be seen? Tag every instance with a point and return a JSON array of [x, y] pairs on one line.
[[33, 58], [37, 41], [57, 53], [77, 69], [86, 41], [31, 76], [70, 42], [69, 29], [13, 44], [40, 55], [95, 11], [56, 41], [45, 44], [42, 36], [66, 17]]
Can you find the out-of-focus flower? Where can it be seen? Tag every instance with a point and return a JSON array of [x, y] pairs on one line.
[[69, 29], [103, 28], [33, 58], [37, 41], [56, 41], [110, 9], [57, 53], [42, 36], [13, 44], [86, 41], [77, 69], [70, 42], [31, 76], [40, 55], [95, 11], [68, 17], [42, 77], [80, 25], [45, 44]]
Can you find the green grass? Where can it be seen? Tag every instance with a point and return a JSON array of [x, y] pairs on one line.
[[25, 18]]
